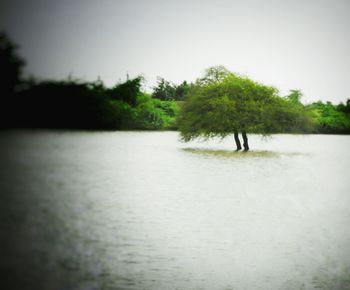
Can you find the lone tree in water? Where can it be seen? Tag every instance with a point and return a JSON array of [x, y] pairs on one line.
[[223, 103]]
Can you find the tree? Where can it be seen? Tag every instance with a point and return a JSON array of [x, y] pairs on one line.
[[214, 74], [164, 90], [128, 91], [344, 108], [167, 91], [223, 103], [295, 96], [182, 90], [11, 65]]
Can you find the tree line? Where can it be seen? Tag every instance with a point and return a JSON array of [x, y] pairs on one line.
[[218, 103], [75, 104]]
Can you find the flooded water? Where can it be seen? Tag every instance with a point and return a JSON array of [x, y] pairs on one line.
[[141, 210]]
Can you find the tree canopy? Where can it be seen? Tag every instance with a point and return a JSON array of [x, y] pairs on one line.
[[222, 103], [11, 65], [127, 91], [168, 91]]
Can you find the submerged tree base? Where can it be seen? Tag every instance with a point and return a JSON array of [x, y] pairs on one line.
[[234, 154]]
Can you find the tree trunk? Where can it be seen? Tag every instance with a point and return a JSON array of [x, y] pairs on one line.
[[245, 141], [238, 143]]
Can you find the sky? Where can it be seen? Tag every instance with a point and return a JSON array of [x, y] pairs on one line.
[[289, 44]]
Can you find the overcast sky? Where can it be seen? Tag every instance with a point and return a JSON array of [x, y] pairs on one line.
[[290, 44]]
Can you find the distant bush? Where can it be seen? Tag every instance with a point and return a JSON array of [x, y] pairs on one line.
[[154, 114], [331, 119]]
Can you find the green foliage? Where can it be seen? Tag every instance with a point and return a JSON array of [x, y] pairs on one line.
[[330, 119], [288, 115], [147, 114], [214, 74], [295, 96], [222, 103], [69, 104], [167, 91], [155, 114], [125, 115], [164, 90], [128, 91], [182, 90], [344, 108], [75, 104]]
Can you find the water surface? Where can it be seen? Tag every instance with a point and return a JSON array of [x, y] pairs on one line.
[[141, 210]]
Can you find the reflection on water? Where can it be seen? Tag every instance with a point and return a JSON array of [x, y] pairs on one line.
[[233, 154], [140, 210]]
